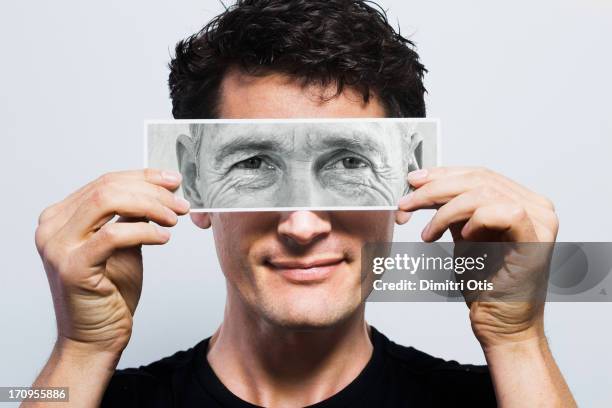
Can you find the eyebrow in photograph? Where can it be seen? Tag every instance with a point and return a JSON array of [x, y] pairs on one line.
[[352, 141], [247, 143]]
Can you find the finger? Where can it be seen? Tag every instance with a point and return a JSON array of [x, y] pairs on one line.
[[200, 219], [130, 200], [120, 235], [508, 219], [132, 187], [420, 177], [55, 217], [479, 176], [546, 225], [437, 192], [402, 217], [461, 208], [545, 221], [445, 183], [544, 232], [167, 179]]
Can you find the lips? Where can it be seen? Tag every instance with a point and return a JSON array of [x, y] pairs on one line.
[[306, 270]]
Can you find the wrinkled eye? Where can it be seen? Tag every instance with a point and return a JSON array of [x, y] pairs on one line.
[[353, 163], [348, 163], [252, 163]]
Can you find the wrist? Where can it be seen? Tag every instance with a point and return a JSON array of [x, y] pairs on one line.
[[512, 339], [517, 348], [497, 324], [85, 355], [84, 370]]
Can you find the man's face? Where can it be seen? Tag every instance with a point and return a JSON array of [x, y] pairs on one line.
[[298, 269], [301, 165]]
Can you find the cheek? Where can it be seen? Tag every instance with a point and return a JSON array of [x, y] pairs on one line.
[[366, 226], [236, 234]]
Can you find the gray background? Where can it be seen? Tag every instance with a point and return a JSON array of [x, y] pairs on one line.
[[522, 87]]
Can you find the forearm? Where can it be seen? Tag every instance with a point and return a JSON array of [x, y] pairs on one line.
[[85, 374], [524, 373]]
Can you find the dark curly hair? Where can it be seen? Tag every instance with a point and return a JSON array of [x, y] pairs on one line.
[[326, 42]]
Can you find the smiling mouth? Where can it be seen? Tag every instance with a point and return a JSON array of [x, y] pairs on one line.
[[306, 270]]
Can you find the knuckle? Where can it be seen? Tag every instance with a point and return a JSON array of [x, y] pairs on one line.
[[109, 178], [548, 203], [97, 196], [423, 194], [479, 213], [163, 212], [62, 266], [516, 213], [148, 230], [55, 255], [45, 214], [487, 193], [481, 174], [101, 196], [108, 233], [106, 178], [40, 238], [163, 195], [554, 222], [151, 213]]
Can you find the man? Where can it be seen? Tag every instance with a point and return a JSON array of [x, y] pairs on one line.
[[294, 332]]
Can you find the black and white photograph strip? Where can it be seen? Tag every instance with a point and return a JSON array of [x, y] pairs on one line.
[[273, 165]]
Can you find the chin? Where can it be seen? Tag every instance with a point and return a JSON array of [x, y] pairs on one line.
[[308, 311]]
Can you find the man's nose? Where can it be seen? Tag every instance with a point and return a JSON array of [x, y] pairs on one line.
[[300, 187], [304, 227]]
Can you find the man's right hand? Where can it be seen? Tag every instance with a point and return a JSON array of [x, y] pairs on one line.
[[94, 264]]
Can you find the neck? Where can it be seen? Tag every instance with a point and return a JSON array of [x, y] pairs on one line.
[[270, 365]]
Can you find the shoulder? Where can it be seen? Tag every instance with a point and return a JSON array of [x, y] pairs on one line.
[[446, 380], [151, 384]]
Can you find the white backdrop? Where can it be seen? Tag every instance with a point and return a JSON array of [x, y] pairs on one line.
[[522, 87]]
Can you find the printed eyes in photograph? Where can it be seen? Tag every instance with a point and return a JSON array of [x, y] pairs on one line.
[[321, 170], [289, 165], [300, 167]]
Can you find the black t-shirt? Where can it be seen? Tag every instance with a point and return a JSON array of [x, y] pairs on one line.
[[395, 376]]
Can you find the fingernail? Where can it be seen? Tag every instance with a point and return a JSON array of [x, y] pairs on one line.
[[163, 232], [417, 175], [182, 203], [405, 201], [171, 176]]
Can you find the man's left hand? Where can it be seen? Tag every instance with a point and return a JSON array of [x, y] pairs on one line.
[[477, 204]]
